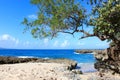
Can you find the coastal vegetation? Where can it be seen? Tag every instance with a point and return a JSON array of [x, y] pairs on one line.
[[69, 16]]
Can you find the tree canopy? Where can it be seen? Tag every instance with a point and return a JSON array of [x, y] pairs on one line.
[[56, 16], [68, 16], [106, 20]]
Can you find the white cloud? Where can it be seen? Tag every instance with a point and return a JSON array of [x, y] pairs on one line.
[[65, 43], [7, 41], [46, 41], [17, 41], [6, 37], [32, 16], [55, 44], [27, 43]]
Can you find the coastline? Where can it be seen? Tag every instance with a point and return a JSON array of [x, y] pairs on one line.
[[86, 51], [48, 69], [84, 67], [36, 69]]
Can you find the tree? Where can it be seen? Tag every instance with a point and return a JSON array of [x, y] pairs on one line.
[[68, 16], [106, 22], [106, 19], [54, 16]]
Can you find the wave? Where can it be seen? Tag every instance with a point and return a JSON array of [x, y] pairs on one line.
[[26, 57], [32, 57], [76, 53], [46, 58]]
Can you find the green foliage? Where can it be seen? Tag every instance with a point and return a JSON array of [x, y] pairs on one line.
[[68, 16], [55, 16], [106, 19]]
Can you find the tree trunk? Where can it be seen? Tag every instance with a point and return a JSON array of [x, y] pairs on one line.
[[111, 63]]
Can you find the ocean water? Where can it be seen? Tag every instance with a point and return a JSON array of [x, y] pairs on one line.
[[84, 60], [54, 54]]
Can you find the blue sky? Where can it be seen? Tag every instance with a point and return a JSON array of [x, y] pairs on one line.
[[12, 13]]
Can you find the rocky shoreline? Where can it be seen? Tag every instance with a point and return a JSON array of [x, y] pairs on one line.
[[108, 61], [52, 65], [13, 68], [87, 51], [12, 60]]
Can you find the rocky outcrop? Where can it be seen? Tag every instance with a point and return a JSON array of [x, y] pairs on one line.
[[101, 55], [108, 60], [12, 60], [83, 51], [87, 51]]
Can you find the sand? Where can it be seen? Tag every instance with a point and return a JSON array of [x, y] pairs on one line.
[[46, 71], [34, 71], [96, 76]]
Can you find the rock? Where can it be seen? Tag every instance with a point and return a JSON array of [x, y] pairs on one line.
[[72, 65], [108, 60], [114, 53], [77, 71], [83, 51], [101, 55], [87, 51], [12, 60]]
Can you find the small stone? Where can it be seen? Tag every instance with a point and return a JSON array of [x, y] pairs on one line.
[[77, 71]]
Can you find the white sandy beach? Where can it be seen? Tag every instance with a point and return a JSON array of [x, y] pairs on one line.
[[34, 71], [44, 71]]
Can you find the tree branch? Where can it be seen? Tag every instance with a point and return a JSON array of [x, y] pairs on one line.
[[86, 34], [66, 32]]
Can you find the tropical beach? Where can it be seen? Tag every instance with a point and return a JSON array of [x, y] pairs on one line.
[[46, 71], [35, 71], [59, 39], [52, 69]]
